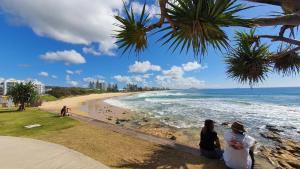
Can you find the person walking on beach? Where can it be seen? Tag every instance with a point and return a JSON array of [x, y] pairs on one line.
[[209, 144], [239, 148]]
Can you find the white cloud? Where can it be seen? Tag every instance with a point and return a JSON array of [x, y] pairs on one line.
[[78, 72], [72, 21], [130, 79], [179, 83], [69, 72], [89, 79], [174, 72], [71, 82], [122, 79], [91, 50], [143, 67], [153, 10], [69, 57], [92, 79], [44, 74], [54, 77], [174, 77], [190, 66]]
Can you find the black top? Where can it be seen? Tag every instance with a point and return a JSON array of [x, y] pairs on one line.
[[208, 140]]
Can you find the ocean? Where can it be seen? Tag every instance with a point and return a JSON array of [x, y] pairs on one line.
[[256, 108]]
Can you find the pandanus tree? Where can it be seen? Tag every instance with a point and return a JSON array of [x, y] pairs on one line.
[[193, 25], [22, 94]]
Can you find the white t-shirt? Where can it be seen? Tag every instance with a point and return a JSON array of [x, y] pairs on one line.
[[238, 158]]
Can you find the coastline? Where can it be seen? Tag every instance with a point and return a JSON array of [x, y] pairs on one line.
[[82, 105], [283, 153]]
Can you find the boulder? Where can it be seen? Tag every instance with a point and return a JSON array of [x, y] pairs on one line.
[[273, 128], [271, 136], [225, 123]]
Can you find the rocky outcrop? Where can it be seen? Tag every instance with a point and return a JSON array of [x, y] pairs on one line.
[[286, 153]]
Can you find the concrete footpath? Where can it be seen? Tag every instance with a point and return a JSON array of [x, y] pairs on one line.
[[24, 153]]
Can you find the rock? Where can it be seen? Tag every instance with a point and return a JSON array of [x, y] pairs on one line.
[[109, 118], [271, 136], [119, 121], [298, 132], [173, 137], [293, 163], [225, 123], [285, 153], [145, 120], [124, 112], [167, 119], [289, 127], [284, 164], [273, 128]]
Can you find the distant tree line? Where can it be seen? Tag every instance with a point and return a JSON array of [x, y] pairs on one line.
[[60, 92]]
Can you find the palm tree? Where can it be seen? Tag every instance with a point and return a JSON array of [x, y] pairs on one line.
[[22, 94], [193, 25]]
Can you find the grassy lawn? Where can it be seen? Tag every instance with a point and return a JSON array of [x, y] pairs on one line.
[[48, 98], [12, 122]]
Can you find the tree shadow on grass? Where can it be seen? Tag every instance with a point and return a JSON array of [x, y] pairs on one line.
[[171, 158], [9, 111]]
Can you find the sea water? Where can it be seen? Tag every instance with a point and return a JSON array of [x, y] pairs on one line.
[[256, 108]]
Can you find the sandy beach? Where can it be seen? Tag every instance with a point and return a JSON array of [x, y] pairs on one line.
[[75, 103]]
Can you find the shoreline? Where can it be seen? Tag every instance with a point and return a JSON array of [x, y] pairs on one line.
[[75, 103], [132, 120], [282, 152]]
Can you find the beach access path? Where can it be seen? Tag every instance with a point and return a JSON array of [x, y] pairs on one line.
[[25, 153]]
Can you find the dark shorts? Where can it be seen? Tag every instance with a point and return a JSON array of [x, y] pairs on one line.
[[214, 154]]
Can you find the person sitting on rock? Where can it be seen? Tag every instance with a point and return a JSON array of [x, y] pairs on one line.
[[209, 141], [239, 148]]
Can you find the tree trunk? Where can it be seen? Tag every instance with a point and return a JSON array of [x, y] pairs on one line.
[[21, 107]]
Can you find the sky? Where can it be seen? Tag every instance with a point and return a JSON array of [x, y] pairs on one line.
[[70, 42]]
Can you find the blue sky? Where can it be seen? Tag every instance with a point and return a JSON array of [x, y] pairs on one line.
[[69, 44]]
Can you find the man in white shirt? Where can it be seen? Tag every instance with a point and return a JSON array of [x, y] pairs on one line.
[[238, 148]]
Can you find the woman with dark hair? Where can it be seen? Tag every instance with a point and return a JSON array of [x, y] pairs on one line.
[[209, 144]]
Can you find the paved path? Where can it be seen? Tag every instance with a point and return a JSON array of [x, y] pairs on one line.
[[24, 153]]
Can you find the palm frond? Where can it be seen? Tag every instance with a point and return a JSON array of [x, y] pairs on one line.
[[248, 62], [287, 64], [199, 24], [132, 32]]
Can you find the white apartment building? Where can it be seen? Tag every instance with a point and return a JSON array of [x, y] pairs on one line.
[[7, 84]]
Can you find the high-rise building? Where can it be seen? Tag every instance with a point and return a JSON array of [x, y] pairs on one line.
[[6, 85]]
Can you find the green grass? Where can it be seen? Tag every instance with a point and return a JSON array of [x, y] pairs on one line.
[[48, 98], [12, 122]]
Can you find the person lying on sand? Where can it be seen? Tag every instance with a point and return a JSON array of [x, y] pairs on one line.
[[209, 144], [239, 148]]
